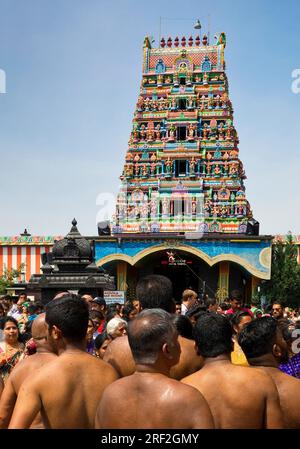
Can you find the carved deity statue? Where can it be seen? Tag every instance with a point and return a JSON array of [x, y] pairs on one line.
[[143, 131], [157, 132], [140, 103], [168, 165]]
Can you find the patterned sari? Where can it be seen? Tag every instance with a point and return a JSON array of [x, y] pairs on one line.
[[7, 363]]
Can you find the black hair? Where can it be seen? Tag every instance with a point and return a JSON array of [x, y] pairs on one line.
[[258, 337], [96, 314], [155, 291], [238, 316], [128, 307], [111, 314], [224, 306], [8, 318], [183, 325], [70, 314], [236, 295], [33, 308], [209, 302], [151, 329], [213, 335], [100, 339], [196, 310]]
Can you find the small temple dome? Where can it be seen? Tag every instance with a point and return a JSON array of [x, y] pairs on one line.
[[72, 245]]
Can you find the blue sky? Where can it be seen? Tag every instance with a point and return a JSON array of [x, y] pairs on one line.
[[73, 71]]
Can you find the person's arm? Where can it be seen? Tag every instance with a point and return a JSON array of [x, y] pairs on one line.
[[27, 406], [7, 403], [273, 413]]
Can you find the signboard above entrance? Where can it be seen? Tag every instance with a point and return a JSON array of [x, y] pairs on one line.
[[113, 296]]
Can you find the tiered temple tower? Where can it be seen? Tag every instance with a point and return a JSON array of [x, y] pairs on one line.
[[182, 171]]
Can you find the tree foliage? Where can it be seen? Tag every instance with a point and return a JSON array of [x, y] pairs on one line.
[[9, 277], [284, 284]]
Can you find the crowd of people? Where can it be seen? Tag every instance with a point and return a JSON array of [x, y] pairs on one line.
[[134, 365]]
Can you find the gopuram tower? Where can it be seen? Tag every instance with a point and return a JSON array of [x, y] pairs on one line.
[[181, 210], [182, 171]]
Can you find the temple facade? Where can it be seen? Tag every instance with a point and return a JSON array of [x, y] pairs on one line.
[[182, 209]]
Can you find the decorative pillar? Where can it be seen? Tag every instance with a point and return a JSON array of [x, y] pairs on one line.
[[121, 275], [224, 277], [254, 284]]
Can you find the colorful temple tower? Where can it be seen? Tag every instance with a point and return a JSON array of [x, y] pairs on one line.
[[181, 209], [182, 171]]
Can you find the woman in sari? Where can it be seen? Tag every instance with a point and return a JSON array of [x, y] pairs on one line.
[[11, 349]]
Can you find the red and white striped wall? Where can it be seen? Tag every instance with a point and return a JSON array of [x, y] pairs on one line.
[[13, 254]]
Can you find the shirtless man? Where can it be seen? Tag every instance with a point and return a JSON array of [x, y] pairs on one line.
[[239, 397], [153, 291], [154, 344], [265, 348], [67, 390], [25, 369]]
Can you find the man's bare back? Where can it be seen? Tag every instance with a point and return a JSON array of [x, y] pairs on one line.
[[119, 355], [239, 397], [289, 395], [23, 370], [154, 402], [66, 391]]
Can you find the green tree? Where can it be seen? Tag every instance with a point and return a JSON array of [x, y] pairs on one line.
[[284, 284], [9, 277]]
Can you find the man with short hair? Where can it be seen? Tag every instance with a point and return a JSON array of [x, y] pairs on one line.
[[16, 309], [189, 299], [211, 304], [153, 291], [236, 302], [264, 346], [278, 314], [67, 390], [239, 397], [99, 304], [24, 370], [155, 400]]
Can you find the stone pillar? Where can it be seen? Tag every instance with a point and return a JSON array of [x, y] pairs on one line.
[[121, 275], [224, 276]]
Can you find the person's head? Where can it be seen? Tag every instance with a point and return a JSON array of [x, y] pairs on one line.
[[10, 329], [194, 312], [22, 297], [116, 327], [90, 330], [2, 311], [211, 304], [21, 300], [277, 310], [97, 318], [87, 298], [189, 298], [62, 294], [99, 304], [239, 320], [33, 309], [129, 311], [39, 332], [155, 291], [263, 337], [153, 338], [67, 321], [213, 335], [136, 304], [101, 343], [183, 325], [178, 308], [25, 307], [236, 299], [222, 307]]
